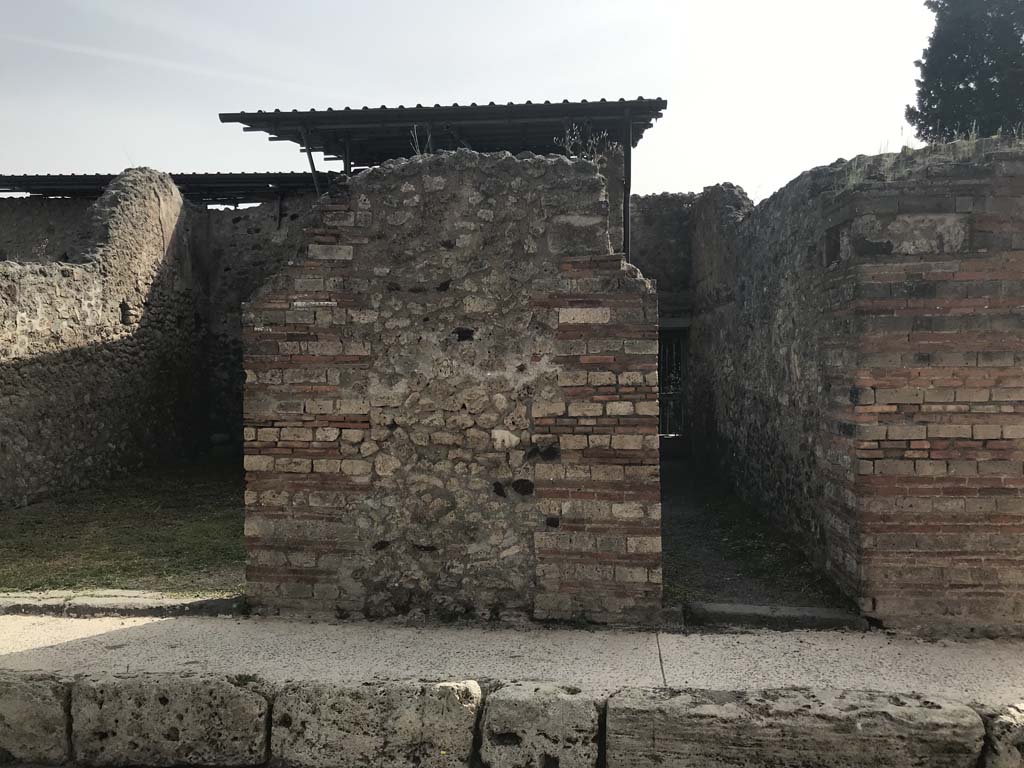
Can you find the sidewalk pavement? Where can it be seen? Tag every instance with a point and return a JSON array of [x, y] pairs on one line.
[[989, 673]]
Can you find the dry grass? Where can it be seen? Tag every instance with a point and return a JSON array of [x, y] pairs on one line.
[[176, 530]]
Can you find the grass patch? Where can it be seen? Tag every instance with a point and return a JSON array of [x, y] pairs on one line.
[[176, 530]]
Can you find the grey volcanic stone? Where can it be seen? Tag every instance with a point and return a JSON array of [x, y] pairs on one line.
[[378, 723], [168, 720], [1005, 748], [789, 727], [539, 724], [32, 719]]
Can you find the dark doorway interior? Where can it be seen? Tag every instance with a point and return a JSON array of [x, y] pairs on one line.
[[719, 549], [716, 548]]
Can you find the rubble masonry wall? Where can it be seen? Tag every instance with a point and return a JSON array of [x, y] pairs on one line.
[[95, 356], [451, 401]]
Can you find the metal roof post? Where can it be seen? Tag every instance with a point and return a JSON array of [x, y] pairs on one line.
[[312, 165], [627, 173]]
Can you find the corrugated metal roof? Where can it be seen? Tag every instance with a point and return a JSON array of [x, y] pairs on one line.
[[375, 134], [227, 188]]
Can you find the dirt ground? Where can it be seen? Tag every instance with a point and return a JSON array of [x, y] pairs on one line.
[[180, 530], [718, 549], [176, 530]]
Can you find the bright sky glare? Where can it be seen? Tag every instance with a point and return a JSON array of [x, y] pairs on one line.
[[758, 91]]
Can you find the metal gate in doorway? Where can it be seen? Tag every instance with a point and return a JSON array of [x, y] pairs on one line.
[[672, 349]]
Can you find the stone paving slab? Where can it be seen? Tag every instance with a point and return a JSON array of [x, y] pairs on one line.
[[975, 671], [282, 650]]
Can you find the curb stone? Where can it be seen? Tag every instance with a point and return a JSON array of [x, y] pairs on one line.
[[316, 725], [820, 727], [33, 719], [165, 720], [1005, 742], [537, 724], [117, 603]]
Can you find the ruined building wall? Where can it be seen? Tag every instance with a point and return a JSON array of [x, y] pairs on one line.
[[95, 357], [660, 248], [451, 402], [237, 249], [44, 230], [856, 359]]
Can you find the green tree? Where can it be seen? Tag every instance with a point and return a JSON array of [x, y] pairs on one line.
[[972, 73]]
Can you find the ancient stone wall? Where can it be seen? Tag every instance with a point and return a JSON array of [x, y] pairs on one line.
[[95, 357], [236, 250], [451, 401], [660, 248], [856, 371], [44, 230]]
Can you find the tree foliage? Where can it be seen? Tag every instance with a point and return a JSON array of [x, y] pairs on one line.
[[972, 73]]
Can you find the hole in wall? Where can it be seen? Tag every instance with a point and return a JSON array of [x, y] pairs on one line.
[[550, 452], [523, 487]]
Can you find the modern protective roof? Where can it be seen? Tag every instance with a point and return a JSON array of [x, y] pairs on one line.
[[375, 134], [222, 188]]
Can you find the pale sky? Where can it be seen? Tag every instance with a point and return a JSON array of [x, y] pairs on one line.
[[758, 91]]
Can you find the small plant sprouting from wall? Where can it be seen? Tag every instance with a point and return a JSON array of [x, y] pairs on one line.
[[584, 142], [421, 148]]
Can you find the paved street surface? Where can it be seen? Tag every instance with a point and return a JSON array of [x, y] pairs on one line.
[[989, 672]]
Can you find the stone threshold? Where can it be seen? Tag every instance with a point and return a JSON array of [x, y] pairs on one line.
[[244, 720], [777, 617]]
